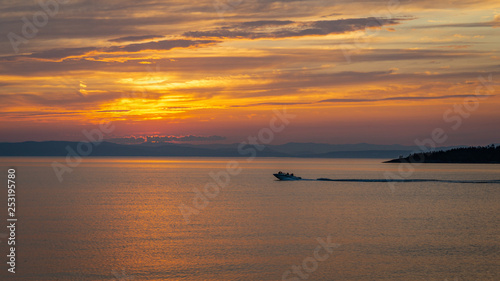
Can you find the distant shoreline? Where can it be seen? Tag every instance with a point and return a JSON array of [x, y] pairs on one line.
[[484, 155], [466, 155], [428, 162]]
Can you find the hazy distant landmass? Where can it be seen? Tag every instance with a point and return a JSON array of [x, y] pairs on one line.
[[479, 154], [293, 149]]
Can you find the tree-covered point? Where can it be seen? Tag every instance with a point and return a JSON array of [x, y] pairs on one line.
[[473, 154]]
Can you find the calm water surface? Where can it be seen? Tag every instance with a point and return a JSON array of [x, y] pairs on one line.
[[118, 219]]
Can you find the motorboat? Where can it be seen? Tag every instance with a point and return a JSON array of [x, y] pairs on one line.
[[286, 177]]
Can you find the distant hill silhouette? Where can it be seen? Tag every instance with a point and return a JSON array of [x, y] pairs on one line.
[[59, 148], [303, 150], [479, 154]]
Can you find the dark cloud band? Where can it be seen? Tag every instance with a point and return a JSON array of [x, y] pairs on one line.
[[285, 29]]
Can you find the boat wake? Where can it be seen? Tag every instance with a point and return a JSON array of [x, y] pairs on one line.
[[405, 180], [290, 177]]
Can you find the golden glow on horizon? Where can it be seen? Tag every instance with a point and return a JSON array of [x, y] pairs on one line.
[[429, 56]]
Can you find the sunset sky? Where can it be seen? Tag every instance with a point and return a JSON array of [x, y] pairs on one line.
[[381, 72]]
